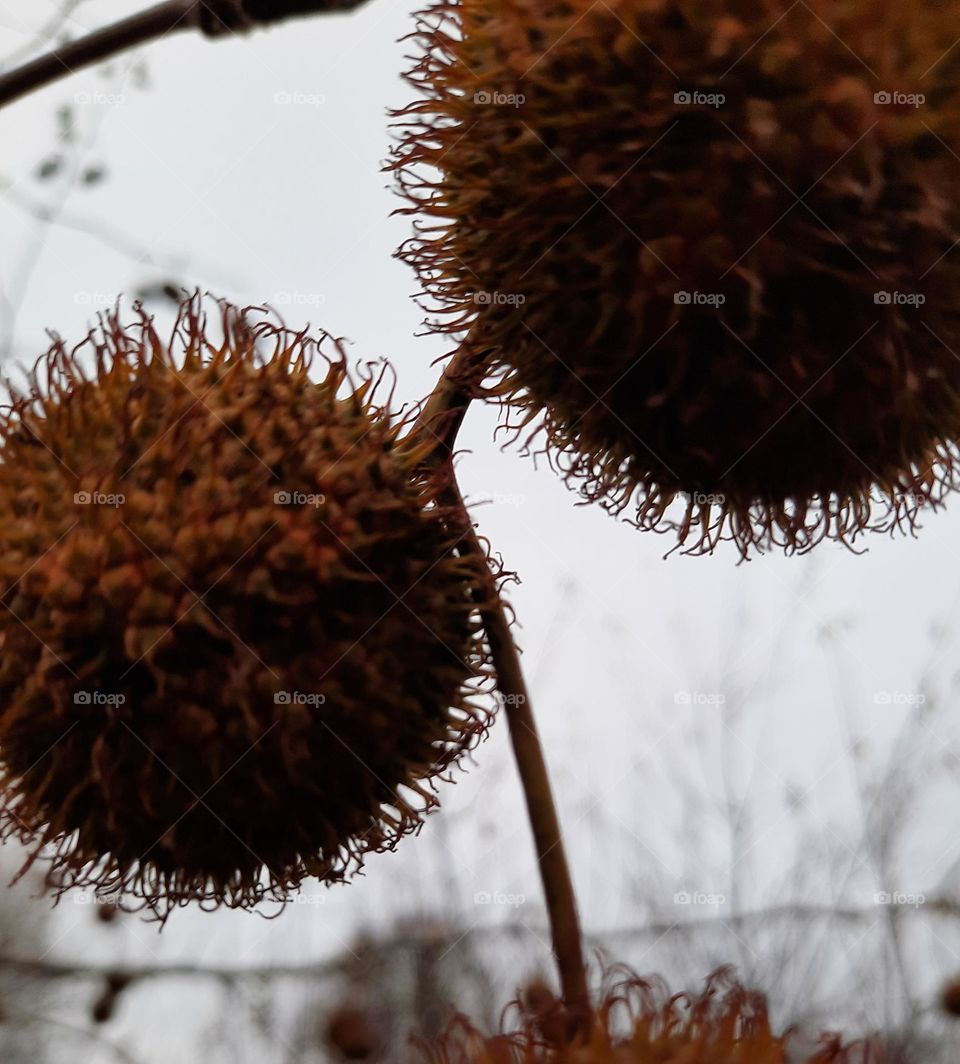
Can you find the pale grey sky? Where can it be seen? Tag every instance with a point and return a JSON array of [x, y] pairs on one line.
[[254, 165]]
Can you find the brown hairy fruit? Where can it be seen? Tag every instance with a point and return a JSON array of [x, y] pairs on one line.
[[950, 998], [238, 643], [639, 1022], [351, 1034], [689, 241]]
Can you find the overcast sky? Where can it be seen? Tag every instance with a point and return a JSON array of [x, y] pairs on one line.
[[252, 168]]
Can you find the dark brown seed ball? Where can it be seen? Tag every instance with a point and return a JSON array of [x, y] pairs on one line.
[[238, 642], [707, 251], [638, 1022], [351, 1033], [950, 998]]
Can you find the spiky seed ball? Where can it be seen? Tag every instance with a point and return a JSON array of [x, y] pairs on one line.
[[544, 1012], [695, 238], [637, 1022], [237, 637], [950, 997], [351, 1034]]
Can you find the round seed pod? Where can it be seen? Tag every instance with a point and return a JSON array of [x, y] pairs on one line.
[[352, 1034], [707, 253], [638, 1022], [950, 998], [238, 639]]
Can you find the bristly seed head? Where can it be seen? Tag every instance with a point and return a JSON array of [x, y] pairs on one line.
[[638, 1022], [707, 251], [238, 639]]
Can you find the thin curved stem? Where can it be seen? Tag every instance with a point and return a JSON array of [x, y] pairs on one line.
[[436, 431], [535, 779], [215, 18], [439, 421]]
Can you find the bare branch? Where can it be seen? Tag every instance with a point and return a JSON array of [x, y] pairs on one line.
[[114, 238], [90, 1033], [214, 18], [44, 35], [58, 971]]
